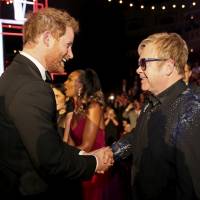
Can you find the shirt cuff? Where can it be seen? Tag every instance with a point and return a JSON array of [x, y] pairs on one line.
[[83, 153]]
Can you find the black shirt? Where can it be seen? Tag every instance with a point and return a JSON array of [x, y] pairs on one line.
[[166, 146]]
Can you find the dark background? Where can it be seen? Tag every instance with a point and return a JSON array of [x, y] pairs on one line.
[[100, 43], [110, 33]]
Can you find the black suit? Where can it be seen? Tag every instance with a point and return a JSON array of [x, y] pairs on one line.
[[32, 155]]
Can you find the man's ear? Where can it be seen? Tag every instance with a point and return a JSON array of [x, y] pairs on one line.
[[169, 67], [47, 38]]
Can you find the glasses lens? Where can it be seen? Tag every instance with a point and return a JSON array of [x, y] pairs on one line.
[[142, 63]]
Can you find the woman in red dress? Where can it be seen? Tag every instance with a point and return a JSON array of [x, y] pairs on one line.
[[87, 125]]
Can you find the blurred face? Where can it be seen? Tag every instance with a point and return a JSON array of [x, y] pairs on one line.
[[60, 50], [187, 74], [124, 123], [71, 84], [111, 112], [60, 99], [127, 127], [153, 77], [136, 104]]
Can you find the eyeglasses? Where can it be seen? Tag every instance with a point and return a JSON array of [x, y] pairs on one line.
[[142, 62]]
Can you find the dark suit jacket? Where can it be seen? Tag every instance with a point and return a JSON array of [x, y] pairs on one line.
[[32, 155]]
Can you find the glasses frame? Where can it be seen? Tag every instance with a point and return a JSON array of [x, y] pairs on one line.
[[142, 62]]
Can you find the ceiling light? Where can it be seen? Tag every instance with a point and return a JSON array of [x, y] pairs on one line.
[[131, 4], [194, 3], [183, 6], [163, 7], [174, 6]]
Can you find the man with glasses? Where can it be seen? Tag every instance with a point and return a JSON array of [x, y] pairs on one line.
[[166, 140]]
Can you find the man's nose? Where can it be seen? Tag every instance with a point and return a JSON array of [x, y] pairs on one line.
[[70, 54], [138, 70]]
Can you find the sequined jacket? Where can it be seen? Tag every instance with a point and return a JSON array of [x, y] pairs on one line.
[[166, 146]]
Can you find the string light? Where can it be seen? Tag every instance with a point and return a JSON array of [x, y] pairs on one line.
[[194, 3], [131, 4], [7, 2], [163, 7], [183, 6], [157, 6], [174, 6], [142, 6]]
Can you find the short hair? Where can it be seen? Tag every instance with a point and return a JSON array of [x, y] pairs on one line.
[[48, 19], [169, 46]]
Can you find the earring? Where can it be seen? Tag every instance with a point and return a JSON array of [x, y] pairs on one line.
[[79, 92]]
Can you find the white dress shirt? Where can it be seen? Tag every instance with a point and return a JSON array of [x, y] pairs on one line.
[[36, 62]]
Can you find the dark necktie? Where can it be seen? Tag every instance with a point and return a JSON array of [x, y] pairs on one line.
[[48, 77]]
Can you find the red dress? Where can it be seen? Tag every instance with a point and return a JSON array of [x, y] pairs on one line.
[[93, 189]]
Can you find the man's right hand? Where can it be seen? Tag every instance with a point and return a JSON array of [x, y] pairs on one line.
[[104, 158]]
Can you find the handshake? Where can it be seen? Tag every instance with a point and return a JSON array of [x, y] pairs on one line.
[[106, 156]]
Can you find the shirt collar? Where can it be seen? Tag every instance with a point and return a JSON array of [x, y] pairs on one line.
[[172, 92], [168, 95], [153, 100], [36, 62]]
